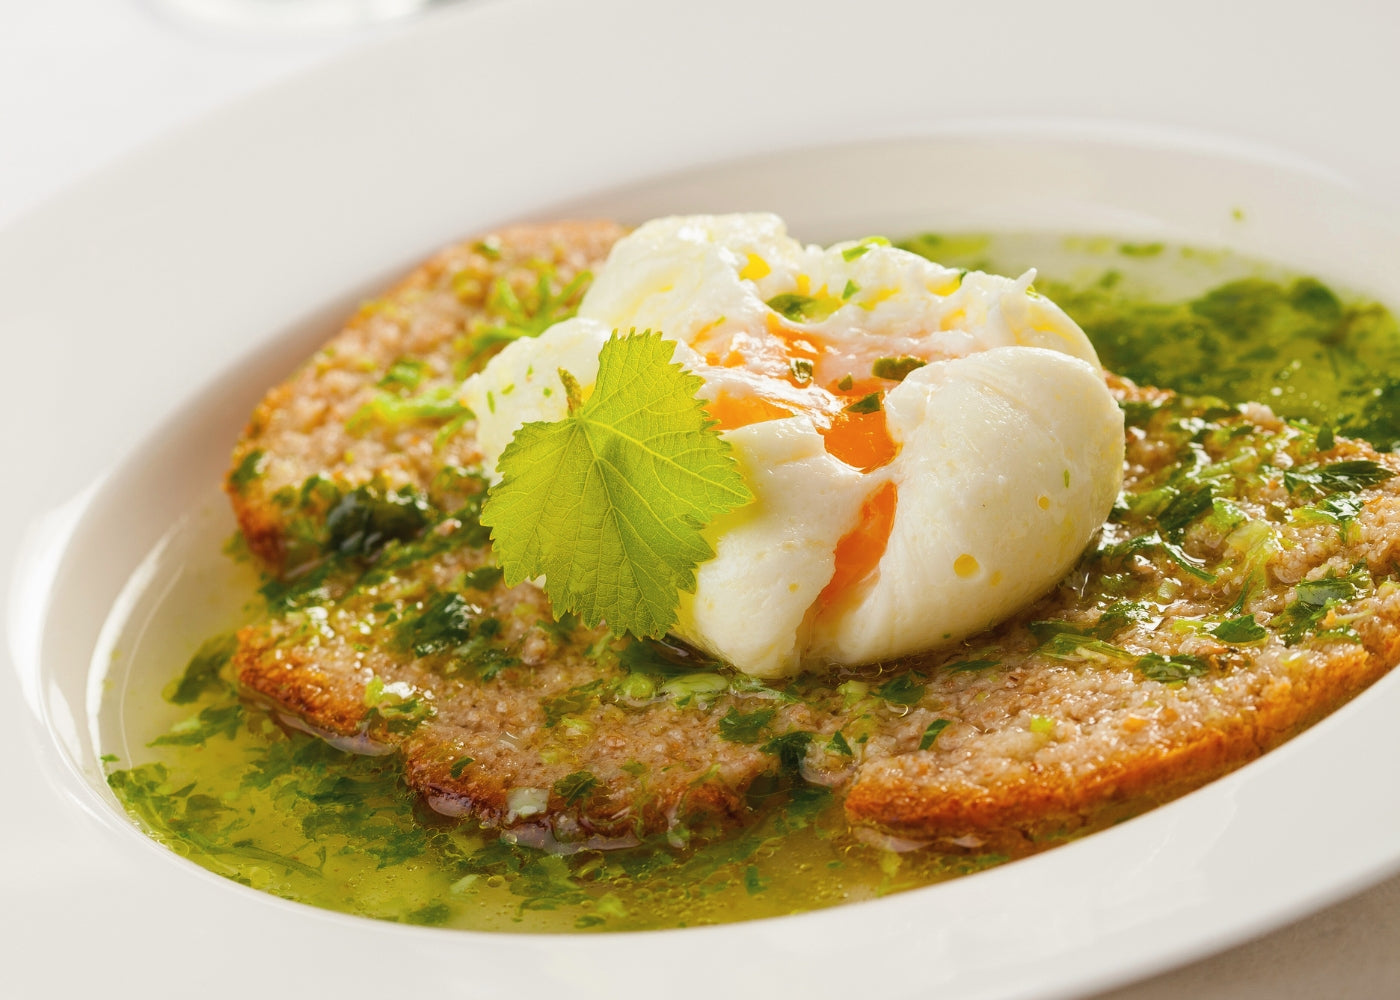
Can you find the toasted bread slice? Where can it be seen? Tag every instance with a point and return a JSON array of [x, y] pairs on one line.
[[369, 410], [1242, 591]]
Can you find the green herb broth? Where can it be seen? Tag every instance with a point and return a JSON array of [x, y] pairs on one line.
[[220, 782]]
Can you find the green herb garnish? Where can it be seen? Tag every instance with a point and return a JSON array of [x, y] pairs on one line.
[[931, 733], [205, 670], [574, 788], [216, 720], [250, 468], [1314, 599], [790, 749], [803, 308], [906, 689], [365, 519], [745, 727], [399, 706], [1338, 477], [609, 503], [1241, 631], [869, 403], [444, 623], [1172, 669], [896, 369]]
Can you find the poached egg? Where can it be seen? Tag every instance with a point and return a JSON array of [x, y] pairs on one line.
[[929, 450]]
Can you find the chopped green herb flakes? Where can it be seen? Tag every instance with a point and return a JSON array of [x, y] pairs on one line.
[[896, 369], [931, 733], [745, 727]]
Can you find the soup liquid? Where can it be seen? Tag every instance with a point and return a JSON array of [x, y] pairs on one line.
[[219, 782]]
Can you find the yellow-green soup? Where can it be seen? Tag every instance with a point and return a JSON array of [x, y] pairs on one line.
[[219, 782]]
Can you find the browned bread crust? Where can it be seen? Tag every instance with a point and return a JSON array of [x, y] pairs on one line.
[[316, 423], [564, 740]]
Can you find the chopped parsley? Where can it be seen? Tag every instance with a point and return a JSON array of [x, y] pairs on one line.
[[1315, 600], [1338, 477], [368, 517], [444, 623], [205, 670], [1173, 669], [1241, 631], [896, 369], [790, 749], [745, 727], [931, 733], [804, 308], [248, 469], [574, 788], [905, 689]]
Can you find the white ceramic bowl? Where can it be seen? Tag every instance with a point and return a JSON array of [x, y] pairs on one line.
[[170, 292]]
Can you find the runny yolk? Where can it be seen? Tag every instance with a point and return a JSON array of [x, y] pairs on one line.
[[859, 550], [861, 440], [729, 411]]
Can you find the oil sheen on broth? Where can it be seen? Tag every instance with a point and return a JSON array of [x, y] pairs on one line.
[[219, 782]]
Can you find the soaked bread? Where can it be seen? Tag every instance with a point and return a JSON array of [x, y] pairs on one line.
[[1241, 591]]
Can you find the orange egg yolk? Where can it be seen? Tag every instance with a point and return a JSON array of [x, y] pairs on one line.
[[859, 551], [729, 411], [859, 439]]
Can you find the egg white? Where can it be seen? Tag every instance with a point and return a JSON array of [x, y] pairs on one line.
[[1010, 446]]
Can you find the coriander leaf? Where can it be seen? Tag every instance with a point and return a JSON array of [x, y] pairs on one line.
[[906, 689], [1171, 669], [204, 670], [744, 727], [969, 666], [804, 308], [459, 765], [609, 503], [573, 788], [1184, 508], [931, 733], [250, 468], [1337, 477], [1314, 599], [790, 749], [364, 520], [571, 702], [838, 744], [1240, 631], [216, 720], [444, 623], [869, 403], [896, 369]]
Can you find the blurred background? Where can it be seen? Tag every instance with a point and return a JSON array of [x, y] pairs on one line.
[[84, 81]]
